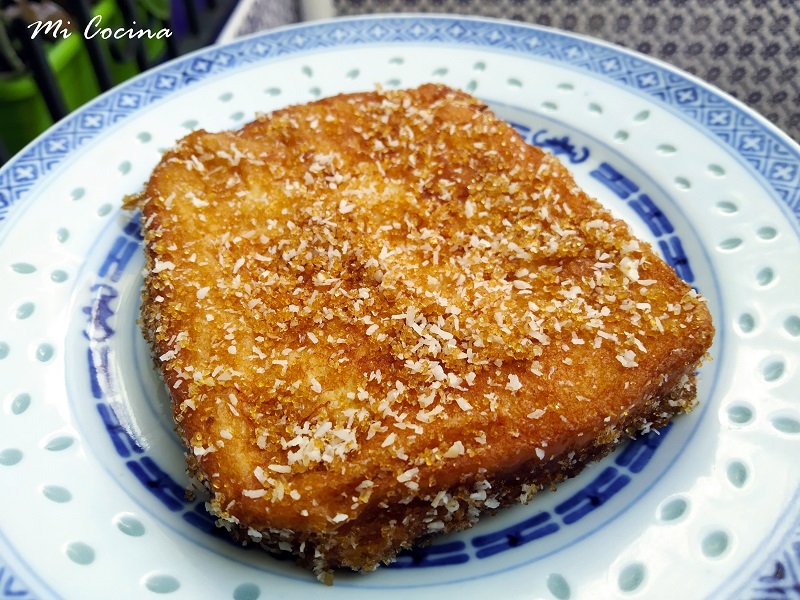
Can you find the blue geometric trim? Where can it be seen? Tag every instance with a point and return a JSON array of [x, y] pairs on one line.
[[11, 587], [768, 152], [435, 555], [529, 530], [778, 576], [783, 580]]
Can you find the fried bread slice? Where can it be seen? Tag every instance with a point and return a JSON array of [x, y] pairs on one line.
[[380, 315]]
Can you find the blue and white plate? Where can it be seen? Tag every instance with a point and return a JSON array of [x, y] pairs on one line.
[[92, 481]]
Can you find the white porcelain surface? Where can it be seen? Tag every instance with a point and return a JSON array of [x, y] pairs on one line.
[[708, 509]]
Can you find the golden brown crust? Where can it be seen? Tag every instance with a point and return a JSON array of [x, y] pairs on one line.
[[381, 314]]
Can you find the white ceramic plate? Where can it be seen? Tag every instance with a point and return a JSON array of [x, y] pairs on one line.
[[92, 476]]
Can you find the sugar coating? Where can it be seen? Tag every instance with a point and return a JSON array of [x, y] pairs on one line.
[[382, 314]]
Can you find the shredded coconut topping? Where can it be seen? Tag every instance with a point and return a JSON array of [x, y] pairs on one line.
[[379, 282]]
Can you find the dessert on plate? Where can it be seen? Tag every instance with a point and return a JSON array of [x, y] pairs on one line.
[[381, 315]]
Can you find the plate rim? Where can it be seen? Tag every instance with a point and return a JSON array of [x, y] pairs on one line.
[[36, 149], [783, 141]]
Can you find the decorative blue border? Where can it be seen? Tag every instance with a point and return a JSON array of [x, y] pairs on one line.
[[11, 586], [99, 331], [15, 587], [779, 577], [768, 152]]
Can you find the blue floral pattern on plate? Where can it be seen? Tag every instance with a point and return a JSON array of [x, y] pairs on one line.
[[755, 144]]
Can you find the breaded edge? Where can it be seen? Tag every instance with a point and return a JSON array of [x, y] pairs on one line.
[[326, 553]]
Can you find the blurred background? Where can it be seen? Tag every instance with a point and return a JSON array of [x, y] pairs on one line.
[[748, 48]]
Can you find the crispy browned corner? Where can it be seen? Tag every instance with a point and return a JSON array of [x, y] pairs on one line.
[[380, 315]]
